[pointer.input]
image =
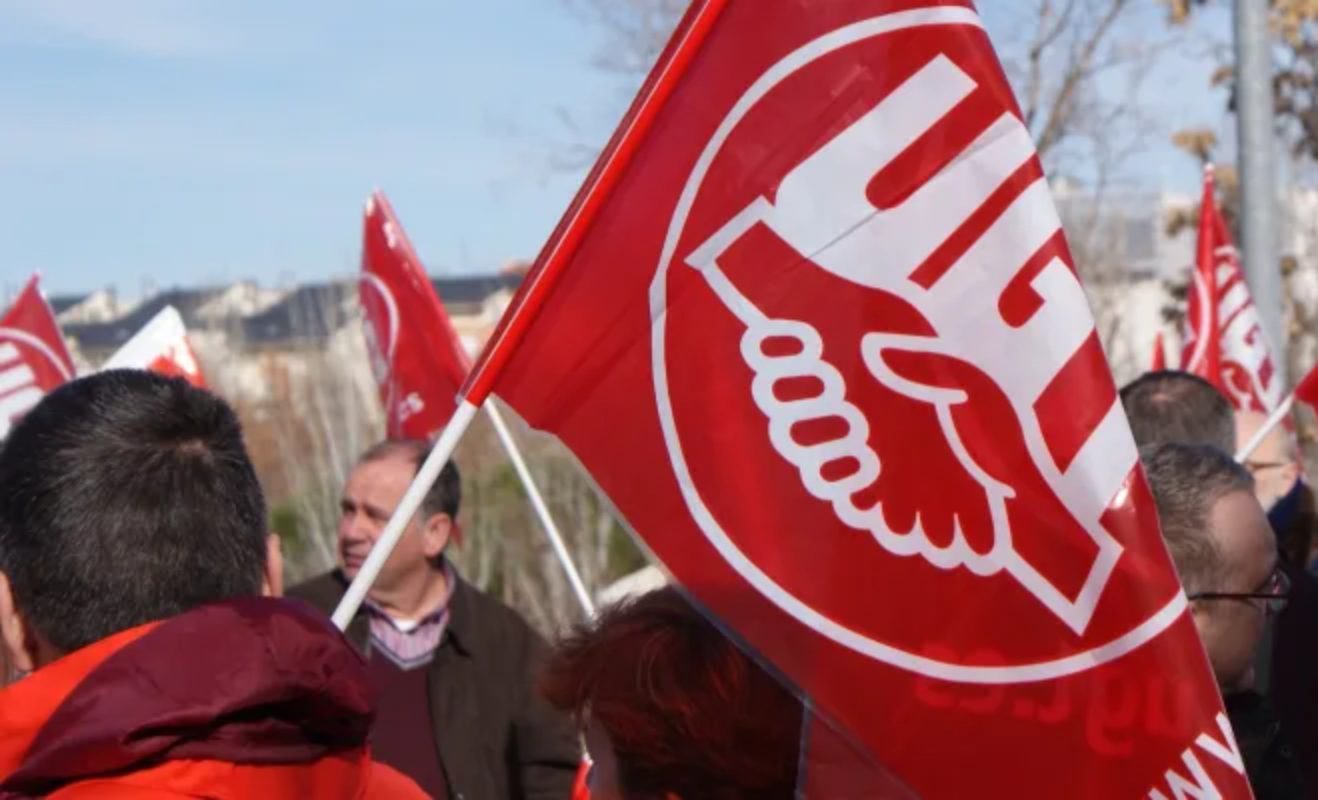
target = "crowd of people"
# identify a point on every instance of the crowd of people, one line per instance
(150, 649)
(1239, 535)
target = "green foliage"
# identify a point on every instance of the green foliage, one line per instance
(624, 556)
(287, 523)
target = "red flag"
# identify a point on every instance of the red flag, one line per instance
(1307, 389)
(1159, 360)
(161, 346)
(813, 326)
(581, 786)
(1224, 340)
(416, 355)
(33, 356)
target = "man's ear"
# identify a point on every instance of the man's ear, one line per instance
(272, 584)
(435, 534)
(14, 631)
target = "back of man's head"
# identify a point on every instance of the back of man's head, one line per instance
(126, 497)
(1187, 481)
(1171, 406)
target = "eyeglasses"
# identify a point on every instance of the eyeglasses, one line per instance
(1259, 466)
(1275, 590)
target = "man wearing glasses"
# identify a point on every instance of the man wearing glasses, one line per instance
(1226, 557)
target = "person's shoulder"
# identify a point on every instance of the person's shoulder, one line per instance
(387, 783)
(355, 777)
(111, 789)
(323, 591)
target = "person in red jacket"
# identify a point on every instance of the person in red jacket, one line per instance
(133, 560)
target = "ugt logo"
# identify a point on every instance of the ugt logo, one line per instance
(923, 424)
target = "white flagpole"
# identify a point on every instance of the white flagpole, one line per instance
(1273, 420)
(541, 509)
(407, 507)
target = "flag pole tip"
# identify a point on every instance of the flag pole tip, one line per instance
(375, 198)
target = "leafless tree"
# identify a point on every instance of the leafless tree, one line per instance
(310, 407)
(504, 546)
(637, 30)
(1078, 68)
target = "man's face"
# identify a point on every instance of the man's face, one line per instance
(372, 492)
(1272, 466)
(1231, 628)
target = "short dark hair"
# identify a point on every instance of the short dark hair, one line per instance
(1174, 406)
(127, 497)
(1187, 480)
(687, 711)
(445, 496)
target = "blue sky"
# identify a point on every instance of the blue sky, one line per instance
(151, 143)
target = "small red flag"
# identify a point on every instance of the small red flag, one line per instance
(1159, 360)
(33, 356)
(161, 346)
(417, 358)
(814, 328)
(1224, 340)
(1307, 389)
(581, 786)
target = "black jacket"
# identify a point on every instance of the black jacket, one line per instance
(497, 739)
(1270, 760)
(1293, 689)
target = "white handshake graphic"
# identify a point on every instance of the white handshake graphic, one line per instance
(821, 210)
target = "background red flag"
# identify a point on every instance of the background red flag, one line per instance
(1307, 389)
(581, 786)
(416, 355)
(814, 328)
(161, 346)
(1159, 360)
(1224, 340)
(33, 356)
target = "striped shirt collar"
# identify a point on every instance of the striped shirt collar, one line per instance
(411, 644)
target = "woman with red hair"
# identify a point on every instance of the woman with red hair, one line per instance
(672, 709)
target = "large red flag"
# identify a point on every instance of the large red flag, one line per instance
(813, 326)
(161, 346)
(33, 356)
(1224, 340)
(416, 355)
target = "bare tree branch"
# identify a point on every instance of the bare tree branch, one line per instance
(1051, 27)
(1081, 69)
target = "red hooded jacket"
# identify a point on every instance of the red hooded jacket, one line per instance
(243, 699)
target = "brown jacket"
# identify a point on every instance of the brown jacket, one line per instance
(497, 739)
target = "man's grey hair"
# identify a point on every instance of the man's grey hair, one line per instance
(1172, 406)
(1187, 481)
(445, 495)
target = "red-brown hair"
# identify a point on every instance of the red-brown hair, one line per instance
(687, 711)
